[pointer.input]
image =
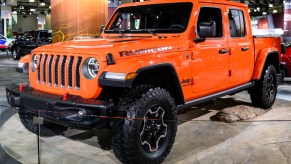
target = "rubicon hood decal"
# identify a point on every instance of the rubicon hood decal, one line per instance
(145, 51)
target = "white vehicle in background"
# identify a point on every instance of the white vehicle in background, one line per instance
(4, 42)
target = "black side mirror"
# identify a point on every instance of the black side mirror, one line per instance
(207, 29)
(102, 29)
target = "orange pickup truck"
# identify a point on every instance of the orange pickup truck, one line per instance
(152, 59)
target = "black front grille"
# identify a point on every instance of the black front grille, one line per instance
(38, 67)
(52, 70)
(44, 69)
(63, 71)
(70, 69)
(56, 70)
(78, 72)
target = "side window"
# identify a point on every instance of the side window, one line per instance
(210, 23)
(236, 23)
(44, 35)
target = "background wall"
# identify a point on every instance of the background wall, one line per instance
(23, 24)
(77, 18)
(48, 21)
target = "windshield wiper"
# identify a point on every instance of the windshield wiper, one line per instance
(121, 32)
(147, 30)
(151, 32)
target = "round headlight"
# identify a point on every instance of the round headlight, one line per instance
(34, 62)
(90, 68)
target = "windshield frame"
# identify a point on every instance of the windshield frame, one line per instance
(110, 23)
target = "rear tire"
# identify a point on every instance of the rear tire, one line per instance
(148, 132)
(46, 130)
(263, 94)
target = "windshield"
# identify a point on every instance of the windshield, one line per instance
(159, 18)
(28, 35)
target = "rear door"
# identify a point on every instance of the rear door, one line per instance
(241, 59)
(210, 58)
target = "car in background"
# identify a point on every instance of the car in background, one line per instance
(3, 40)
(29, 41)
(286, 58)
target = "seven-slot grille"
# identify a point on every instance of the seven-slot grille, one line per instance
(52, 70)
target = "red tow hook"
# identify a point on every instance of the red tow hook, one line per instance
(21, 86)
(65, 96)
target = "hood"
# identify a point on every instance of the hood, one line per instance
(119, 47)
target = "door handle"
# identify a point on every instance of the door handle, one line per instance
(245, 48)
(223, 51)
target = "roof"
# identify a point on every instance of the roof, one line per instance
(227, 2)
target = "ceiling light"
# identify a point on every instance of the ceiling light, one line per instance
(42, 4)
(31, 1)
(32, 10)
(264, 13)
(271, 5)
(275, 11)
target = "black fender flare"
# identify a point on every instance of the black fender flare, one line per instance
(129, 83)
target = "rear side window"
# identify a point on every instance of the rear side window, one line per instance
(212, 16)
(236, 23)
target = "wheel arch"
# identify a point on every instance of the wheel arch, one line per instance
(162, 75)
(266, 58)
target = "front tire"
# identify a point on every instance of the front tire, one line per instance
(15, 54)
(46, 130)
(263, 94)
(148, 132)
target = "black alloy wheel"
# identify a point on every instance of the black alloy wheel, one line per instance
(153, 129)
(148, 131)
(263, 93)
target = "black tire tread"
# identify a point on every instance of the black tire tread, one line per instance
(257, 92)
(17, 55)
(124, 141)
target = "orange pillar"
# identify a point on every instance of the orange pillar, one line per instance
(72, 18)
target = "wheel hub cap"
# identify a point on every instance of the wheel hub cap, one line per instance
(270, 87)
(153, 129)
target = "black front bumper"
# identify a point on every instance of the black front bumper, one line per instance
(54, 109)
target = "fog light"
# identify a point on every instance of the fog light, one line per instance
(81, 113)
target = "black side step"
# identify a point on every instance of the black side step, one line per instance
(216, 95)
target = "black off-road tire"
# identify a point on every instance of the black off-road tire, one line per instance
(129, 132)
(46, 130)
(264, 93)
(15, 54)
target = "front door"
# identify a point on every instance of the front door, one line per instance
(210, 58)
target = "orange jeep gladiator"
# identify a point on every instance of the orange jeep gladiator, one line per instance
(152, 59)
